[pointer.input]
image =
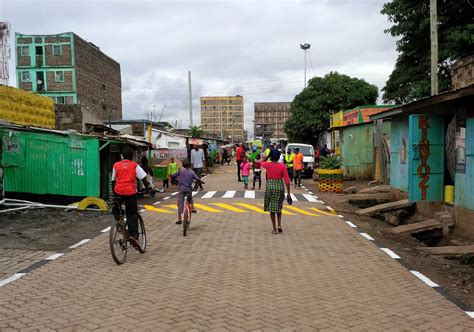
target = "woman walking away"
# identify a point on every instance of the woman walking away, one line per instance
(245, 166)
(275, 190)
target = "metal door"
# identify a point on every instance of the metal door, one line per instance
(426, 158)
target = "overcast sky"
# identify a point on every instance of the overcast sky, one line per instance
(246, 47)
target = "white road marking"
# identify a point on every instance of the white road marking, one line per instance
(340, 216)
(229, 194)
(293, 197)
(105, 230)
(53, 257)
(310, 198)
(329, 208)
(209, 194)
(425, 279)
(470, 313)
(142, 210)
(12, 278)
(195, 193)
(310, 192)
(80, 243)
(249, 194)
(351, 224)
(390, 253)
(167, 197)
(175, 193)
(156, 203)
(367, 236)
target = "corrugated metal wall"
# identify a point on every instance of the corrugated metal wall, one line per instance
(48, 163)
(358, 151)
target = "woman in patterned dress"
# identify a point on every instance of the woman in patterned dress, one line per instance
(275, 189)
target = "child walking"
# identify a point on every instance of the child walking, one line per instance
(245, 167)
(257, 171)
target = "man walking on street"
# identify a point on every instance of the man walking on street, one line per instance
(289, 156)
(297, 166)
(239, 156)
(198, 159)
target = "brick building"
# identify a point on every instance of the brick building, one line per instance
(269, 119)
(72, 71)
(223, 117)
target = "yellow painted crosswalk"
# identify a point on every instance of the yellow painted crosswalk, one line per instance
(241, 208)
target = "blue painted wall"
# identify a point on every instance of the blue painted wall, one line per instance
(399, 154)
(464, 183)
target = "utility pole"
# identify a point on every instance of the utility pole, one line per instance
(190, 100)
(434, 46)
(305, 48)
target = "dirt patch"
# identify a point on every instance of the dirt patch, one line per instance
(454, 276)
(49, 229)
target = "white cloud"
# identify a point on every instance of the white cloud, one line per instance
(245, 47)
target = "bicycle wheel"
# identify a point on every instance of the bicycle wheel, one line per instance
(118, 242)
(141, 234)
(186, 218)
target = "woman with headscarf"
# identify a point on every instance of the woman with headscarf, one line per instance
(275, 189)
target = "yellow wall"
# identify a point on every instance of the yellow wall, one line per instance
(337, 119)
(26, 108)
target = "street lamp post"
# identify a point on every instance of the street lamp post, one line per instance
(305, 48)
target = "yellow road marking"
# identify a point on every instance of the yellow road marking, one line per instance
(282, 211)
(152, 208)
(302, 211)
(251, 207)
(173, 206)
(228, 207)
(323, 212)
(206, 208)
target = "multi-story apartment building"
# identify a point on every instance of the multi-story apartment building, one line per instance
(224, 117)
(269, 119)
(72, 71)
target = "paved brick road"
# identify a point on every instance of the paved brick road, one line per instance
(231, 273)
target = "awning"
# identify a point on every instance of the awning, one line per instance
(196, 141)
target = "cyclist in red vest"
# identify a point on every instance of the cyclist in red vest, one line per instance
(124, 181)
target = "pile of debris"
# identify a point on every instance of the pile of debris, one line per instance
(380, 202)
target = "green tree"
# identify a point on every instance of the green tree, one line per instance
(196, 131)
(411, 79)
(311, 108)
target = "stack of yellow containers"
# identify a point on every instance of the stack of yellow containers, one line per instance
(26, 108)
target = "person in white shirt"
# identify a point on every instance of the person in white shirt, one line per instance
(198, 160)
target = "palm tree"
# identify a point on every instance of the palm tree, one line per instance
(196, 131)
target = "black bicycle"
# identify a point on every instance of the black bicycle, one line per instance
(119, 238)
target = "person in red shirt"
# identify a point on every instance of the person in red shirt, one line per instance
(275, 190)
(124, 181)
(239, 156)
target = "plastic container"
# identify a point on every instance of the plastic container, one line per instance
(449, 194)
(161, 172)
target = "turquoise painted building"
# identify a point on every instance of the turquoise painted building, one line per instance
(432, 146)
(46, 64)
(72, 71)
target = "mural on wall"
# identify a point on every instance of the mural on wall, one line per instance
(424, 169)
(361, 115)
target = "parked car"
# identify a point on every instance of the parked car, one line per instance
(308, 156)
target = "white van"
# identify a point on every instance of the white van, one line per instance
(308, 156)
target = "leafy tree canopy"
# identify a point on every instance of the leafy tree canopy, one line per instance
(311, 108)
(196, 131)
(411, 79)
